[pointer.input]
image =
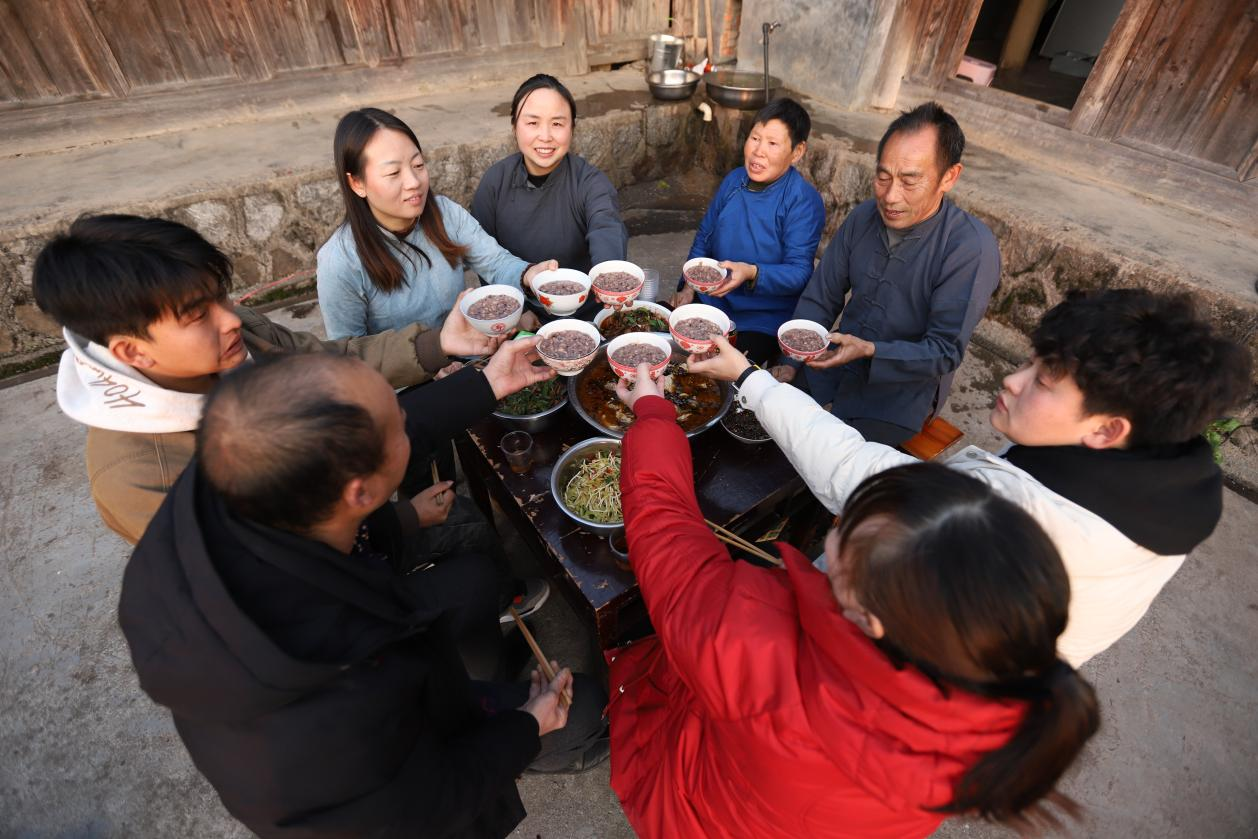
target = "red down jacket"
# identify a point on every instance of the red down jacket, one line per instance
(759, 710)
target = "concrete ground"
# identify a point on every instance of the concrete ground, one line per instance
(84, 753)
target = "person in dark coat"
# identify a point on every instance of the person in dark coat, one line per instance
(315, 686)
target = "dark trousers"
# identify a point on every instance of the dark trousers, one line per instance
(877, 431)
(560, 749)
(467, 590)
(822, 384)
(759, 347)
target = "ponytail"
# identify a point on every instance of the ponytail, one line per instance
(971, 591)
(1008, 784)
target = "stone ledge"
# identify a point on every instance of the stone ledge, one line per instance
(273, 226)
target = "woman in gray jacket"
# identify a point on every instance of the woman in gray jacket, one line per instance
(543, 202)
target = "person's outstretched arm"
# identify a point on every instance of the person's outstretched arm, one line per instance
(711, 613)
(828, 454)
(605, 233)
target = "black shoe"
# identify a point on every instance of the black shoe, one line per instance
(534, 591)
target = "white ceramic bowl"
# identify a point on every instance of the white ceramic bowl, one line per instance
(569, 366)
(711, 263)
(616, 299)
(697, 310)
(604, 314)
(561, 304)
(631, 373)
(811, 326)
(496, 326)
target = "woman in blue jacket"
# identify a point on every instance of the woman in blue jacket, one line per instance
(764, 225)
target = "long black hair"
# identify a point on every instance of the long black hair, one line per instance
(377, 250)
(542, 81)
(972, 592)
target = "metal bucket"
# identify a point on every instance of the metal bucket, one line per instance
(665, 52)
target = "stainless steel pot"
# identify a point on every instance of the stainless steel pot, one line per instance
(672, 84)
(744, 91)
(665, 52)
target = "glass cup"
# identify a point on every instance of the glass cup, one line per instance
(517, 448)
(651, 286)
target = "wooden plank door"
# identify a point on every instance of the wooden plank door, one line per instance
(1179, 79)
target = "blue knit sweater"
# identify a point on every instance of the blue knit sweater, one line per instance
(776, 229)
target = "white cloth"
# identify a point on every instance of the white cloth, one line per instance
(1112, 579)
(97, 389)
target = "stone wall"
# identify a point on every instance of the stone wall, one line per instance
(274, 229)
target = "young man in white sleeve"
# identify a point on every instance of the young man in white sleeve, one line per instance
(1105, 422)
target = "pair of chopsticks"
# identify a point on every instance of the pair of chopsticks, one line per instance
(565, 698)
(734, 540)
(436, 479)
(549, 672)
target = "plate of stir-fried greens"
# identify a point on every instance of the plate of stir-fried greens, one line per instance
(642, 316)
(534, 407)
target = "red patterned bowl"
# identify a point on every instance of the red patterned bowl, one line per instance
(609, 297)
(561, 304)
(628, 373)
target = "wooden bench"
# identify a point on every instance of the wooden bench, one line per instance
(936, 436)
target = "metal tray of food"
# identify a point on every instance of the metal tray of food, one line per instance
(602, 409)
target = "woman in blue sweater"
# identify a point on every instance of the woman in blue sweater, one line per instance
(764, 225)
(398, 259)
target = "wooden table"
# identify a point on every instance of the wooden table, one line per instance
(736, 483)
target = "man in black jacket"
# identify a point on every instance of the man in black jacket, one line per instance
(314, 685)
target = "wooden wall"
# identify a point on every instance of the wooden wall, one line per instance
(1180, 80)
(53, 50)
(1177, 78)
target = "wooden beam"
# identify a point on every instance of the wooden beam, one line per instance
(1026, 22)
(1111, 65)
(575, 41)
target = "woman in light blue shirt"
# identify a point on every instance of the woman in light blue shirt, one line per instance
(399, 256)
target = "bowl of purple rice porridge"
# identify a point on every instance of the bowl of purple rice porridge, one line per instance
(803, 340)
(561, 291)
(568, 345)
(616, 282)
(703, 274)
(626, 352)
(693, 325)
(493, 309)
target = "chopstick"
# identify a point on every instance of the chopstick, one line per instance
(565, 698)
(436, 479)
(734, 540)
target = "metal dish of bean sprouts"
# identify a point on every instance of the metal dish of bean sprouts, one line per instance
(585, 483)
(593, 491)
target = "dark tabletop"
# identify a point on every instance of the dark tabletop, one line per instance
(732, 478)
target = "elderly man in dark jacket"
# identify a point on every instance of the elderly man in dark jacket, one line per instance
(315, 685)
(920, 272)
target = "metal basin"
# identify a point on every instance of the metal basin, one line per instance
(567, 465)
(600, 360)
(533, 423)
(672, 84)
(744, 91)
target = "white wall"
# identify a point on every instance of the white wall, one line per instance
(829, 50)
